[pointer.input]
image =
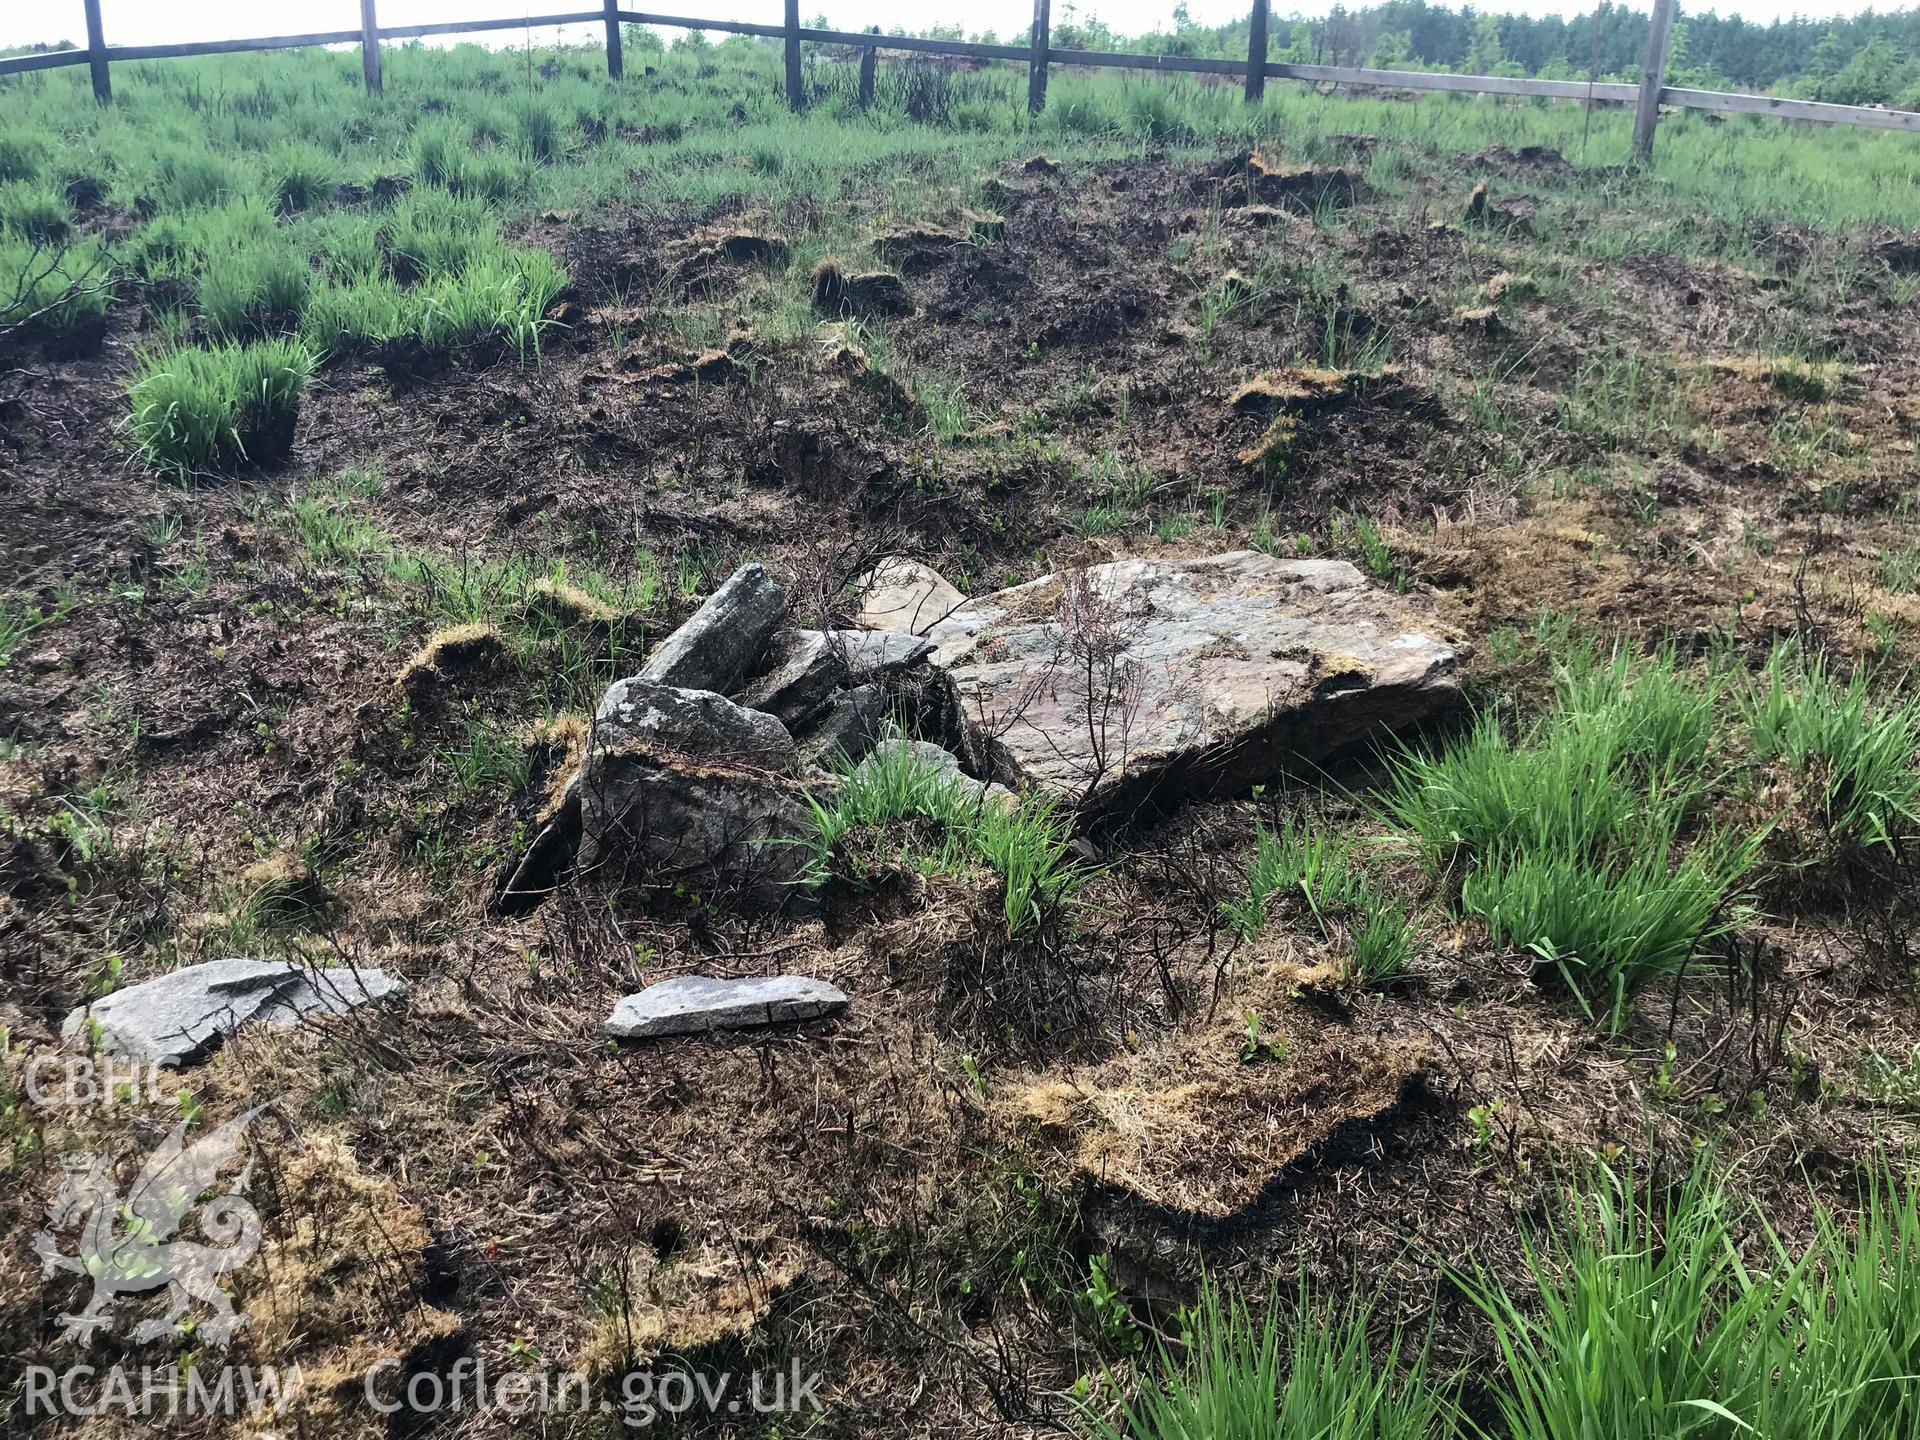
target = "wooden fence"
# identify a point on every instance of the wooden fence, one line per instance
(1039, 54)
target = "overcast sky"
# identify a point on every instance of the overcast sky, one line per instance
(145, 22)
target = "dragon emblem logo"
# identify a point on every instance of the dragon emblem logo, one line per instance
(126, 1246)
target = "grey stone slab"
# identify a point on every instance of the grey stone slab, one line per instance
(694, 722)
(182, 1016)
(1174, 678)
(806, 668)
(846, 732)
(696, 1004)
(724, 639)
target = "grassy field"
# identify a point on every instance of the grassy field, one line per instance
(1554, 1074)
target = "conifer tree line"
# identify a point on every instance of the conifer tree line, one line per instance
(1868, 59)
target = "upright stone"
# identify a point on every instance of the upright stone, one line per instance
(684, 787)
(846, 733)
(724, 639)
(663, 820)
(807, 668)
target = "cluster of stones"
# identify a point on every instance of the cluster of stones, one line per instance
(1133, 683)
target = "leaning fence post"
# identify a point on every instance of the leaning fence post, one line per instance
(1037, 59)
(796, 94)
(616, 61)
(1257, 53)
(97, 53)
(869, 57)
(1653, 77)
(370, 46)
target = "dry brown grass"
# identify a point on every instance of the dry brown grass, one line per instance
(568, 605)
(1194, 1125)
(451, 652)
(338, 1279)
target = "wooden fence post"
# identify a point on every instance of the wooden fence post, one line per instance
(796, 91)
(616, 60)
(869, 58)
(1653, 78)
(1257, 53)
(97, 53)
(1037, 58)
(370, 45)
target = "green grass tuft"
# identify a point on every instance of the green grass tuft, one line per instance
(1649, 1323)
(1238, 1380)
(439, 154)
(1608, 925)
(19, 618)
(1640, 1317)
(1578, 839)
(1025, 845)
(1854, 755)
(67, 290)
(36, 212)
(194, 177)
(1319, 868)
(487, 759)
(300, 177)
(21, 155)
(432, 233)
(218, 408)
(253, 288)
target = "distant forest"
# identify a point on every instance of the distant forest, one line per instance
(1868, 59)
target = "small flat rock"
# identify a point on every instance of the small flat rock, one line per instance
(697, 1004)
(1223, 672)
(694, 722)
(724, 639)
(182, 1016)
(903, 594)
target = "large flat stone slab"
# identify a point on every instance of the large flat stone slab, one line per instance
(182, 1016)
(1143, 679)
(697, 1004)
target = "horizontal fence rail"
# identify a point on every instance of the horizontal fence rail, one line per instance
(1038, 53)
